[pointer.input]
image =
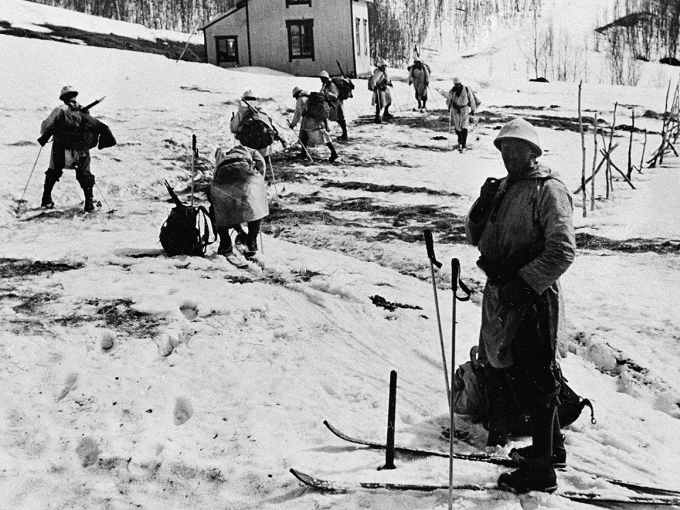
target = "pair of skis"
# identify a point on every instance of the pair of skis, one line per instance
(647, 495)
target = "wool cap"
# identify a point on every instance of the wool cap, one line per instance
(382, 62)
(456, 81)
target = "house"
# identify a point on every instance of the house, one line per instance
(300, 37)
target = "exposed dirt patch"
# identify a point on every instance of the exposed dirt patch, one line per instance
(23, 267)
(381, 302)
(167, 48)
(590, 242)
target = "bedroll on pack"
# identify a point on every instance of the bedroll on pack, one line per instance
(317, 107)
(345, 87)
(256, 132)
(76, 130)
(188, 230)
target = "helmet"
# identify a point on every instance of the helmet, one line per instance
(296, 91)
(248, 95)
(382, 62)
(324, 74)
(519, 129)
(67, 91)
(456, 81)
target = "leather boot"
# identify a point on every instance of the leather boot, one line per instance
(89, 200)
(343, 126)
(225, 248)
(539, 473)
(47, 202)
(334, 154)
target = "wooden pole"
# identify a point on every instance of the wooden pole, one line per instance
(391, 414)
(642, 158)
(592, 175)
(630, 146)
(610, 184)
(583, 151)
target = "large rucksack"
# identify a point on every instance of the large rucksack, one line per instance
(345, 87)
(188, 230)
(470, 398)
(317, 107)
(256, 131)
(74, 129)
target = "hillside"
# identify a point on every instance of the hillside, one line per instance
(199, 385)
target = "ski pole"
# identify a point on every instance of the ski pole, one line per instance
(30, 175)
(448, 136)
(433, 261)
(271, 167)
(194, 154)
(110, 211)
(302, 144)
(455, 282)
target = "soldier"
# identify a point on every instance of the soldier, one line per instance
(312, 131)
(332, 93)
(382, 99)
(461, 104)
(522, 226)
(419, 76)
(75, 133)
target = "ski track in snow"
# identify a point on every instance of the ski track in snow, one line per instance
(197, 385)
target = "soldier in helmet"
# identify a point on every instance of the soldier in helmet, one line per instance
(382, 99)
(332, 94)
(75, 133)
(462, 104)
(522, 226)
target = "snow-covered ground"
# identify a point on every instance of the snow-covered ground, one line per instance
(218, 379)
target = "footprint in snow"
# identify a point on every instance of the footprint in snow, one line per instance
(183, 410)
(69, 384)
(88, 451)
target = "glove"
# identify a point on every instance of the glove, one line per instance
(486, 195)
(516, 292)
(44, 139)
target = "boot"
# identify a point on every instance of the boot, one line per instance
(343, 126)
(424, 104)
(47, 202)
(334, 155)
(559, 455)
(89, 200)
(225, 249)
(538, 474)
(463, 138)
(387, 115)
(378, 117)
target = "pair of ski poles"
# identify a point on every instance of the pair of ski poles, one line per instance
(455, 283)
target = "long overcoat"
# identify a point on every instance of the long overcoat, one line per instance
(535, 208)
(460, 107)
(315, 128)
(381, 90)
(238, 190)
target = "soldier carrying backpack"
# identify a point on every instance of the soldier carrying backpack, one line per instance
(75, 132)
(252, 127)
(313, 130)
(335, 90)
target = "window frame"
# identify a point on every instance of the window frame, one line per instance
(218, 53)
(298, 2)
(309, 24)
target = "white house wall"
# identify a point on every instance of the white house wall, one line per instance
(363, 52)
(334, 36)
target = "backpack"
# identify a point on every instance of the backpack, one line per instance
(188, 230)
(371, 83)
(345, 87)
(77, 130)
(472, 93)
(317, 107)
(469, 396)
(256, 131)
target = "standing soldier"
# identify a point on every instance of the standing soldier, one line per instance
(419, 76)
(332, 94)
(522, 226)
(75, 133)
(312, 131)
(461, 104)
(382, 99)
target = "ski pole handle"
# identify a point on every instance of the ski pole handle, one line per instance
(193, 145)
(429, 243)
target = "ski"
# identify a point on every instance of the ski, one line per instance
(500, 461)
(236, 261)
(583, 497)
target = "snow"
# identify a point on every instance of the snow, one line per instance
(137, 380)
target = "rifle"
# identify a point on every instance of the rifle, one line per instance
(341, 71)
(92, 104)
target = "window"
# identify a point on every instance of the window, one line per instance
(226, 49)
(300, 39)
(357, 35)
(366, 38)
(298, 2)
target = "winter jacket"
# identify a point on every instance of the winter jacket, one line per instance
(420, 78)
(460, 107)
(381, 89)
(238, 190)
(242, 115)
(315, 128)
(332, 93)
(533, 209)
